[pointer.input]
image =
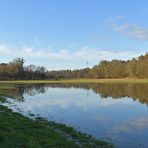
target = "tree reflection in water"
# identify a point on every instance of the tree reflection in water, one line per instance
(18, 92)
(115, 90)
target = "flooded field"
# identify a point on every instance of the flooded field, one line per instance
(114, 112)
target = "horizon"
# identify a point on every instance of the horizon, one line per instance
(65, 35)
(87, 63)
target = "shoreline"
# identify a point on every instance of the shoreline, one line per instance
(74, 81)
(16, 130)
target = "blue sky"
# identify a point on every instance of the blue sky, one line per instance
(64, 34)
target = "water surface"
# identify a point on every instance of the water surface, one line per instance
(115, 112)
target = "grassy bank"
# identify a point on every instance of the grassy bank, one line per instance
(19, 131)
(75, 81)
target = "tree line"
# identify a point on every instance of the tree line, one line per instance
(135, 68)
(16, 70)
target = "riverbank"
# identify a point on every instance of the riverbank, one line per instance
(75, 81)
(19, 131)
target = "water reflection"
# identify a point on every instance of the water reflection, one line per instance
(116, 111)
(19, 91)
(135, 91)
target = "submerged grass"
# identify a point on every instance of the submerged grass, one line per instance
(19, 131)
(7, 86)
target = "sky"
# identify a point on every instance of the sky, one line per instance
(65, 34)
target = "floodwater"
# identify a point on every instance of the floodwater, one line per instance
(113, 112)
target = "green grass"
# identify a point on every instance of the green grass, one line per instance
(75, 81)
(17, 131)
(7, 86)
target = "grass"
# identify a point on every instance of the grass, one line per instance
(75, 81)
(7, 86)
(22, 132)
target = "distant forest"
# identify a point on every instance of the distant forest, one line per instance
(135, 68)
(15, 70)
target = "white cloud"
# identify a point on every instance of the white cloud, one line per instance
(134, 31)
(136, 125)
(139, 32)
(4, 50)
(81, 55)
(64, 58)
